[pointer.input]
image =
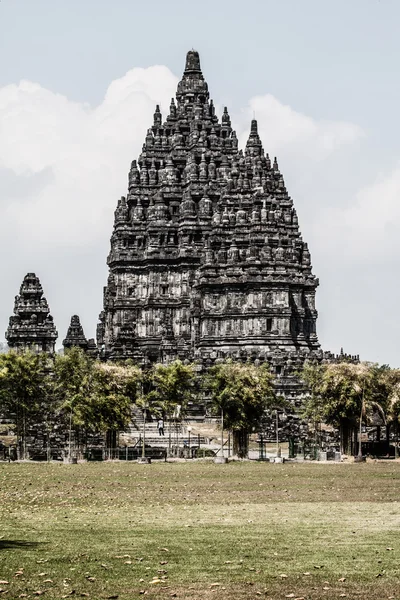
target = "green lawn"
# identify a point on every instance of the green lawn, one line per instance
(243, 530)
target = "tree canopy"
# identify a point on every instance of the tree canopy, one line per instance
(169, 386)
(24, 389)
(241, 393)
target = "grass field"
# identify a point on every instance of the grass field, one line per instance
(199, 530)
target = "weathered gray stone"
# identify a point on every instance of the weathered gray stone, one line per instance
(220, 460)
(75, 335)
(32, 325)
(207, 260)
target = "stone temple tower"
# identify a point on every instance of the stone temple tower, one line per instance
(207, 260)
(75, 335)
(32, 325)
(76, 338)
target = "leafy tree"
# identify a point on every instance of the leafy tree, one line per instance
(113, 391)
(96, 396)
(167, 389)
(391, 380)
(25, 390)
(345, 395)
(241, 394)
(73, 380)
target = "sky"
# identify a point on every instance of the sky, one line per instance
(78, 85)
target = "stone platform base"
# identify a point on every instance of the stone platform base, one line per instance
(144, 460)
(220, 460)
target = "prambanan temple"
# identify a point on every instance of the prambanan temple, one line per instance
(207, 260)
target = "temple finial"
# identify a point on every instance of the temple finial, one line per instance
(226, 120)
(157, 117)
(254, 126)
(192, 61)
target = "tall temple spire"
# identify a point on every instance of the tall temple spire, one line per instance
(32, 325)
(196, 204)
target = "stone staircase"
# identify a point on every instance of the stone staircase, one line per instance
(178, 431)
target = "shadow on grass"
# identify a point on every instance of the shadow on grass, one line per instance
(15, 544)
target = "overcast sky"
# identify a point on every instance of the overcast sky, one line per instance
(79, 80)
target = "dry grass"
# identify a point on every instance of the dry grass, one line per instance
(243, 530)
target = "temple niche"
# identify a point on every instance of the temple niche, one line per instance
(207, 260)
(31, 326)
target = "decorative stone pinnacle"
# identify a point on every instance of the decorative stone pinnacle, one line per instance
(192, 62)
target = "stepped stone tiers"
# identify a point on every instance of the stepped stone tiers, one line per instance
(32, 325)
(76, 337)
(207, 260)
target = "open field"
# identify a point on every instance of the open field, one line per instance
(242, 530)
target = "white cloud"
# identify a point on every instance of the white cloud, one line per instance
(373, 220)
(63, 165)
(288, 132)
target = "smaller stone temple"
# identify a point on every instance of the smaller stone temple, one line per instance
(32, 325)
(76, 338)
(75, 335)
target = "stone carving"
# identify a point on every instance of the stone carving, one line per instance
(32, 325)
(75, 335)
(219, 226)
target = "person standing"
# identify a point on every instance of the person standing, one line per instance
(160, 425)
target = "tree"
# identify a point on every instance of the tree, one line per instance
(391, 379)
(24, 390)
(112, 393)
(241, 394)
(344, 394)
(97, 396)
(73, 378)
(169, 388)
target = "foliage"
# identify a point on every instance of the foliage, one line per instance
(73, 374)
(25, 387)
(344, 394)
(169, 386)
(391, 381)
(243, 392)
(112, 394)
(98, 396)
(344, 390)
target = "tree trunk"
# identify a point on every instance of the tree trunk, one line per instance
(387, 427)
(360, 433)
(169, 434)
(222, 432)
(345, 436)
(241, 443)
(24, 434)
